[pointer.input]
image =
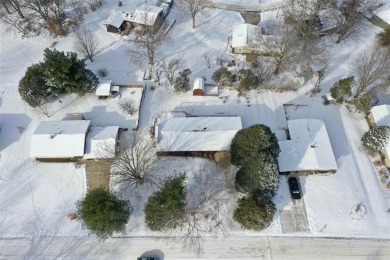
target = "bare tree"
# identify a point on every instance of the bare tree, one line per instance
(127, 105)
(79, 8)
(171, 68)
(44, 108)
(147, 43)
(206, 194)
(135, 163)
(349, 18)
(85, 42)
(372, 69)
(280, 46)
(262, 70)
(194, 7)
(15, 4)
(303, 16)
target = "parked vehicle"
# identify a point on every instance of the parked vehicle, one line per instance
(294, 188)
(147, 258)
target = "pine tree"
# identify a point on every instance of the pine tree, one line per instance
(342, 89)
(182, 82)
(222, 76)
(259, 175)
(363, 103)
(103, 213)
(248, 80)
(249, 142)
(376, 139)
(32, 87)
(252, 215)
(165, 209)
(384, 37)
(65, 73)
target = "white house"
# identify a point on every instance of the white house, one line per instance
(244, 38)
(308, 148)
(59, 139)
(380, 116)
(191, 135)
(101, 142)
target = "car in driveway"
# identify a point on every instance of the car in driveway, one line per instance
(147, 258)
(293, 184)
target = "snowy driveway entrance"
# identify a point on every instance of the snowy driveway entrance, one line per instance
(295, 219)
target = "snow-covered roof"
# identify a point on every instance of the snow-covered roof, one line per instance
(145, 14)
(243, 35)
(104, 88)
(308, 149)
(197, 133)
(59, 139)
(116, 19)
(198, 83)
(381, 116)
(101, 142)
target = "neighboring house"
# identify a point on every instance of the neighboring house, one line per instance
(101, 142)
(198, 87)
(117, 22)
(380, 116)
(59, 139)
(308, 148)
(147, 15)
(195, 136)
(248, 39)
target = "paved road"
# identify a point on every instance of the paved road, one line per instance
(247, 8)
(47, 247)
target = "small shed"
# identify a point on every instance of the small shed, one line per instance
(198, 87)
(104, 88)
(117, 22)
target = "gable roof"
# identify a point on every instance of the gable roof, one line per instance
(309, 147)
(145, 14)
(243, 35)
(381, 116)
(59, 139)
(180, 134)
(116, 19)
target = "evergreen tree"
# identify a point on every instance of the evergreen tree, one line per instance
(342, 89)
(32, 87)
(376, 138)
(260, 175)
(222, 76)
(384, 37)
(165, 209)
(103, 213)
(363, 103)
(65, 73)
(182, 82)
(252, 215)
(248, 143)
(248, 80)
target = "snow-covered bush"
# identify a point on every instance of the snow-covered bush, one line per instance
(182, 83)
(376, 139)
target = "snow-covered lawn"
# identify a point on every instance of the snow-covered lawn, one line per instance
(36, 197)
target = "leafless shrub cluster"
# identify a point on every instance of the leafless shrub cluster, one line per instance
(128, 106)
(171, 68)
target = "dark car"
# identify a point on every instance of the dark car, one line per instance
(147, 258)
(294, 188)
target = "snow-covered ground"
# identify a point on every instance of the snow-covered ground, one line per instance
(35, 197)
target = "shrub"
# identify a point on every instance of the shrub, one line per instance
(342, 89)
(376, 139)
(223, 76)
(165, 209)
(103, 72)
(182, 83)
(260, 175)
(128, 106)
(103, 213)
(249, 142)
(252, 215)
(248, 80)
(384, 37)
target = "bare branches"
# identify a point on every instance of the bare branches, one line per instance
(194, 7)
(127, 105)
(135, 164)
(372, 68)
(171, 68)
(85, 42)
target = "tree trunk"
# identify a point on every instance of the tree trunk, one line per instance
(6, 8)
(193, 22)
